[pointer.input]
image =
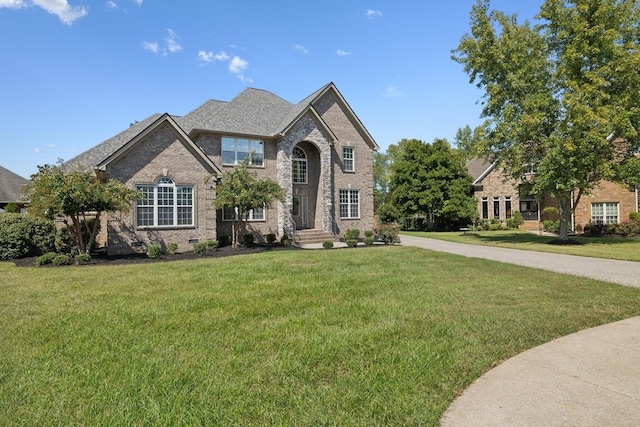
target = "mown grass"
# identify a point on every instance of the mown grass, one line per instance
(366, 336)
(625, 249)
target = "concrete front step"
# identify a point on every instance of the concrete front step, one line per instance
(304, 237)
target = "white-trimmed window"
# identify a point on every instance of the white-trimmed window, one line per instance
(164, 204)
(236, 150)
(605, 213)
(349, 203)
(496, 207)
(348, 159)
(230, 214)
(299, 170)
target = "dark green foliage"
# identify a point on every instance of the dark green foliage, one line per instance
(62, 260)
(550, 226)
(327, 244)
(368, 233)
(11, 207)
(388, 233)
(224, 240)
(285, 239)
(248, 239)
(352, 243)
(25, 235)
(634, 216)
(172, 248)
(154, 251)
(271, 237)
(45, 258)
(209, 245)
(212, 245)
(368, 241)
(352, 233)
(82, 259)
(387, 213)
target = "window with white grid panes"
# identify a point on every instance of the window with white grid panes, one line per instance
(164, 204)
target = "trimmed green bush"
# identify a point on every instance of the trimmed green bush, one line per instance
(11, 207)
(352, 234)
(212, 245)
(368, 241)
(550, 226)
(248, 239)
(24, 235)
(388, 233)
(368, 233)
(271, 237)
(83, 259)
(154, 251)
(327, 244)
(352, 243)
(46, 258)
(172, 248)
(200, 248)
(62, 260)
(634, 216)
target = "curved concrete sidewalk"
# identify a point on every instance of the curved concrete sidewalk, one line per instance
(590, 378)
(621, 272)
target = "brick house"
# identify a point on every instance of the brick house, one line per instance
(317, 150)
(499, 195)
(11, 189)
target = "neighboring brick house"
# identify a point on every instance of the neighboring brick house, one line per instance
(499, 195)
(10, 188)
(317, 150)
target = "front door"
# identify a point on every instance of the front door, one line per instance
(299, 211)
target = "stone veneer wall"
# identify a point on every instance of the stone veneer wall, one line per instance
(497, 184)
(162, 151)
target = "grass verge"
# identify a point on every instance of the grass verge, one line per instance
(625, 249)
(367, 336)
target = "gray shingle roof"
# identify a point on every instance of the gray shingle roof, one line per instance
(10, 185)
(477, 167)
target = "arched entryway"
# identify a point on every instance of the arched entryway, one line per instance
(305, 180)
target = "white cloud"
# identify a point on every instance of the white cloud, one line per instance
(301, 48)
(341, 52)
(373, 14)
(112, 5)
(205, 57)
(60, 8)
(237, 65)
(222, 56)
(138, 2)
(172, 41)
(393, 92)
(151, 46)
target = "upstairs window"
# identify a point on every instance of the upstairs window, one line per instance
(348, 159)
(236, 150)
(164, 204)
(299, 166)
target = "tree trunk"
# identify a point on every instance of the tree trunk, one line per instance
(564, 209)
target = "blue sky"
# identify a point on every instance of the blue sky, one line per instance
(76, 72)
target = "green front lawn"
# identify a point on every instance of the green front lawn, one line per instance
(626, 249)
(365, 336)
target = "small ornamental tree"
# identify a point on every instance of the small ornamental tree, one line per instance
(76, 196)
(243, 191)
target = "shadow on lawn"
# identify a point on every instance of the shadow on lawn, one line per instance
(524, 238)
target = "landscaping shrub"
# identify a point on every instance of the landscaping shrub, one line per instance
(483, 224)
(493, 226)
(516, 220)
(45, 258)
(368, 233)
(83, 259)
(352, 243)
(271, 237)
(368, 241)
(327, 244)
(62, 260)
(212, 245)
(248, 239)
(634, 216)
(388, 233)
(224, 240)
(627, 228)
(154, 251)
(200, 248)
(172, 248)
(23, 235)
(352, 234)
(12, 207)
(550, 226)
(285, 239)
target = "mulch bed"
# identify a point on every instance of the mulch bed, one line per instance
(103, 259)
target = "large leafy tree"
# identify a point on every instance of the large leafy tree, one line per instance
(76, 196)
(561, 97)
(381, 163)
(431, 181)
(242, 190)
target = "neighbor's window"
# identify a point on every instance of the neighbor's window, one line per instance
(299, 166)
(496, 207)
(349, 203)
(164, 204)
(348, 162)
(229, 214)
(605, 213)
(485, 208)
(507, 207)
(236, 150)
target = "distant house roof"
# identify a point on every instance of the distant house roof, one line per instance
(479, 168)
(10, 185)
(254, 112)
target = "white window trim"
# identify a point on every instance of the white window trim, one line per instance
(353, 159)
(304, 161)
(252, 143)
(349, 203)
(160, 184)
(605, 210)
(250, 219)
